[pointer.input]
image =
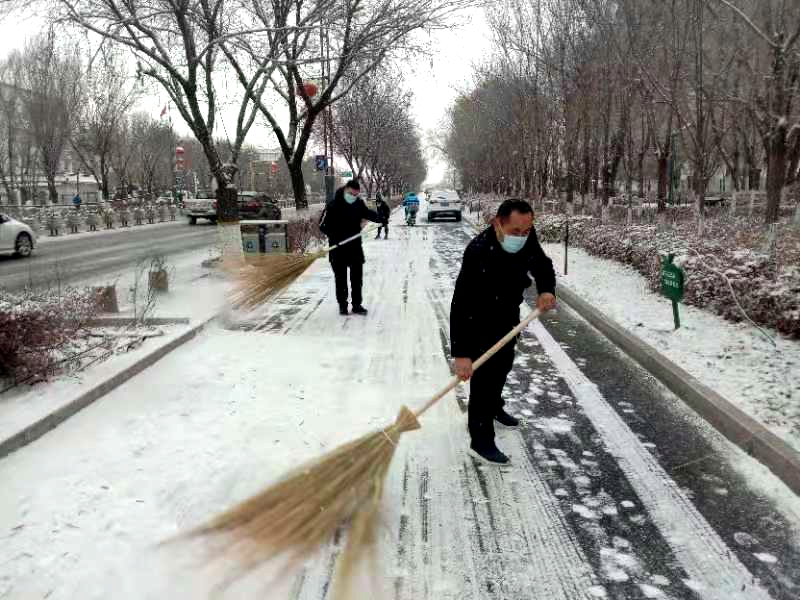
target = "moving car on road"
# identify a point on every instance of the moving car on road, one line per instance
(16, 237)
(203, 206)
(444, 204)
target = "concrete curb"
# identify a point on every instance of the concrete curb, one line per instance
(129, 321)
(51, 421)
(738, 427)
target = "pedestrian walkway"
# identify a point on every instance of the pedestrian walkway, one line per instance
(585, 511)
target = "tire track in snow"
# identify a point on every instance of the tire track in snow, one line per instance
(715, 571)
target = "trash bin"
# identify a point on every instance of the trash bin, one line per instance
(264, 237)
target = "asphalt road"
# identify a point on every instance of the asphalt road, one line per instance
(69, 260)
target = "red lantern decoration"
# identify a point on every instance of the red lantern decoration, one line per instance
(310, 89)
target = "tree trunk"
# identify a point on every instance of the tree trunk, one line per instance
(51, 189)
(663, 182)
(298, 184)
(754, 178)
(776, 175)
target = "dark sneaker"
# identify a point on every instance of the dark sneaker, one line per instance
(359, 310)
(506, 419)
(489, 455)
(343, 311)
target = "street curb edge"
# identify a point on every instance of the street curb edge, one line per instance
(49, 422)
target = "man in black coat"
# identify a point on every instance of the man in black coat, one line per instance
(341, 220)
(485, 307)
(385, 212)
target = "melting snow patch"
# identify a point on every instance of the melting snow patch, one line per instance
(745, 540)
(650, 591)
(766, 558)
(597, 591)
(659, 580)
(627, 504)
(561, 493)
(585, 512)
(693, 585)
(554, 425)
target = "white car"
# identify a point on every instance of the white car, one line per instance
(444, 204)
(202, 207)
(16, 237)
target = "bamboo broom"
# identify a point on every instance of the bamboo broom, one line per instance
(265, 276)
(295, 516)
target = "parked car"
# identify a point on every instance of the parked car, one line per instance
(16, 237)
(203, 206)
(444, 204)
(255, 205)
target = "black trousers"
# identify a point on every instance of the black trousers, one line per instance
(485, 395)
(385, 228)
(356, 281)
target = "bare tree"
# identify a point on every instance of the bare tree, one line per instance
(337, 44)
(109, 94)
(177, 46)
(773, 110)
(49, 78)
(152, 147)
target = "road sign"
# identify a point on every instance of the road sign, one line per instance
(672, 285)
(346, 174)
(321, 162)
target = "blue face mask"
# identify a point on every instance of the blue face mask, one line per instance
(349, 198)
(513, 243)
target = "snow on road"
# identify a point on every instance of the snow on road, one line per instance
(82, 508)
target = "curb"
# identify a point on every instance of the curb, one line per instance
(738, 427)
(130, 321)
(49, 422)
(729, 420)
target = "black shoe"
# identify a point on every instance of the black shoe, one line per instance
(506, 419)
(489, 455)
(343, 311)
(359, 310)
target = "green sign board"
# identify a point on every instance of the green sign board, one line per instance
(672, 285)
(346, 174)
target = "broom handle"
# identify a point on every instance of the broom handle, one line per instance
(351, 238)
(534, 314)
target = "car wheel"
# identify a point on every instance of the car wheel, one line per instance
(192, 220)
(213, 220)
(458, 218)
(430, 219)
(24, 245)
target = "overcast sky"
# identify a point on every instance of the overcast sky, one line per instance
(434, 83)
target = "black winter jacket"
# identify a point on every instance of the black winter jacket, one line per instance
(489, 290)
(384, 210)
(341, 220)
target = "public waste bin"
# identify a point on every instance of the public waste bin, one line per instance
(264, 237)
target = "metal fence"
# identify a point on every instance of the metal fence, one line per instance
(63, 219)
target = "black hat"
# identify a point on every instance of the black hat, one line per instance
(353, 185)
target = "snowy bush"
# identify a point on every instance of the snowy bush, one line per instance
(37, 329)
(731, 253)
(303, 232)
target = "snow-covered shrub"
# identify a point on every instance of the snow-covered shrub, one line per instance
(731, 253)
(303, 232)
(37, 328)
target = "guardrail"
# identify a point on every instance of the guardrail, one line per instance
(56, 220)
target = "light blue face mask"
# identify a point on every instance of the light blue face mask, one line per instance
(350, 198)
(513, 243)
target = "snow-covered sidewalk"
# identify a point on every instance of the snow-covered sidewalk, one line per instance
(736, 360)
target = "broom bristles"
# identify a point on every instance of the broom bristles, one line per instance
(296, 515)
(263, 277)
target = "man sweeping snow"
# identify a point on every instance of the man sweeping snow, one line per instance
(341, 220)
(486, 300)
